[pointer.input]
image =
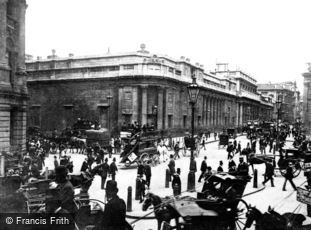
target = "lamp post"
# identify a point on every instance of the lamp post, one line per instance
(193, 93)
(109, 99)
(278, 107)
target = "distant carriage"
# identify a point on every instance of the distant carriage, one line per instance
(140, 147)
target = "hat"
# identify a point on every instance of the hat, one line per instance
(111, 186)
(61, 171)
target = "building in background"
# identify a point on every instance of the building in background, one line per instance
(13, 91)
(307, 99)
(143, 87)
(291, 107)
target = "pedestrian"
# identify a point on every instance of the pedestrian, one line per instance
(231, 165)
(66, 190)
(140, 169)
(289, 175)
(254, 146)
(269, 173)
(147, 172)
(113, 169)
(56, 164)
(203, 142)
(171, 165)
(220, 169)
(238, 150)
(104, 168)
(113, 217)
(203, 169)
(215, 135)
(141, 185)
(84, 166)
(176, 150)
(230, 149)
(242, 169)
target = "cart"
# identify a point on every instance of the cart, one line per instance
(215, 208)
(293, 155)
(140, 147)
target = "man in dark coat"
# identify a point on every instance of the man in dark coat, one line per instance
(104, 168)
(176, 150)
(56, 164)
(242, 169)
(141, 183)
(84, 166)
(230, 149)
(171, 165)
(147, 172)
(113, 217)
(220, 169)
(289, 175)
(140, 169)
(203, 168)
(269, 173)
(66, 190)
(113, 169)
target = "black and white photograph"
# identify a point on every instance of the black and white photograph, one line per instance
(155, 115)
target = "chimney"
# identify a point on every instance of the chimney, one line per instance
(182, 58)
(39, 58)
(187, 59)
(71, 55)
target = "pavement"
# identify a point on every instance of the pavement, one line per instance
(281, 201)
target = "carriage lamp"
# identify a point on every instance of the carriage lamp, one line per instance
(193, 93)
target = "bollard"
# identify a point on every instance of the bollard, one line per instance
(46, 173)
(191, 182)
(129, 199)
(255, 179)
(137, 190)
(2, 166)
(167, 178)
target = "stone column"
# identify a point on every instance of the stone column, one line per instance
(120, 98)
(241, 114)
(144, 105)
(160, 108)
(21, 39)
(5, 115)
(3, 32)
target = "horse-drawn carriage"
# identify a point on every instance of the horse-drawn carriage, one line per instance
(218, 207)
(293, 156)
(140, 147)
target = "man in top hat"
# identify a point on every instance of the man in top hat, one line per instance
(242, 169)
(269, 173)
(66, 190)
(113, 217)
(289, 175)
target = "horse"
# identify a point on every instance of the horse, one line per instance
(272, 220)
(162, 212)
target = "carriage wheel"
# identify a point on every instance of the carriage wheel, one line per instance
(240, 217)
(144, 157)
(296, 169)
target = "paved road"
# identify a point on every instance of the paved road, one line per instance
(282, 201)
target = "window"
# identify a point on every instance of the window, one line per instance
(178, 72)
(170, 121)
(127, 67)
(185, 121)
(170, 69)
(113, 68)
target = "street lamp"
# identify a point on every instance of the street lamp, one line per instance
(109, 99)
(193, 93)
(278, 107)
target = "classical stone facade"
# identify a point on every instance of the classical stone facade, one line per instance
(13, 91)
(290, 108)
(144, 87)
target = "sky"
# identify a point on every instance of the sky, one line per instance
(268, 39)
